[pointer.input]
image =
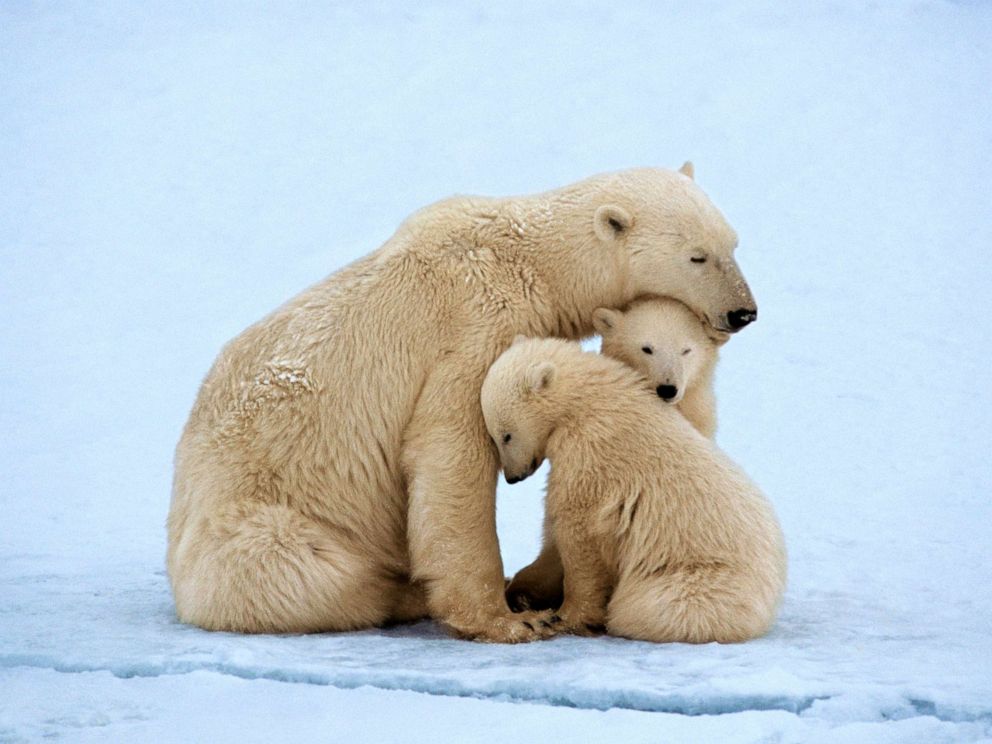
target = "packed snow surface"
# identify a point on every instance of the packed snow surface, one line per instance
(170, 172)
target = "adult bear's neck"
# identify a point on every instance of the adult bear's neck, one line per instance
(571, 272)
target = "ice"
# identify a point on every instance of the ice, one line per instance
(171, 173)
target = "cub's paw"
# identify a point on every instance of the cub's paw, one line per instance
(524, 595)
(521, 627)
(530, 590)
(580, 624)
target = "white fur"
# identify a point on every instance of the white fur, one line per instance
(664, 340)
(335, 471)
(661, 536)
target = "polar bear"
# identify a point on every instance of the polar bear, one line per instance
(673, 350)
(677, 354)
(335, 471)
(661, 536)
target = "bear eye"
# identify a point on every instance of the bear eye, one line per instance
(647, 350)
(685, 351)
(698, 259)
(507, 438)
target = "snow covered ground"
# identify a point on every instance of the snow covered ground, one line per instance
(169, 173)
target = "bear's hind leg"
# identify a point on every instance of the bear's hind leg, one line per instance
(269, 569)
(694, 604)
(409, 603)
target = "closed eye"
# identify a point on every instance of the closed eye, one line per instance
(507, 438)
(647, 350)
(685, 351)
(698, 259)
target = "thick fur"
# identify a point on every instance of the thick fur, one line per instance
(335, 471)
(664, 340)
(661, 536)
(669, 345)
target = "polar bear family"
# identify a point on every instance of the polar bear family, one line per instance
(336, 471)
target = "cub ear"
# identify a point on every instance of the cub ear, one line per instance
(610, 222)
(605, 321)
(687, 169)
(540, 376)
(517, 339)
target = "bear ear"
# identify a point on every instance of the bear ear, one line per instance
(540, 376)
(688, 169)
(517, 339)
(605, 321)
(611, 221)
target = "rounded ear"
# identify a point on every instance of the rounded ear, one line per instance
(611, 221)
(517, 339)
(540, 376)
(687, 169)
(605, 321)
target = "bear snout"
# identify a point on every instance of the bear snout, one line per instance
(534, 465)
(741, 317)
(667, 392)
(511, 479)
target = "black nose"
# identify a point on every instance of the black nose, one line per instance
(667, 392)
(739, 318)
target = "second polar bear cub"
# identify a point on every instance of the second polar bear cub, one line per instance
(672, 348)
(662, 537)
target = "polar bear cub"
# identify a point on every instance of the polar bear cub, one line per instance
(676, 353)
(661, 536)
(672, 349)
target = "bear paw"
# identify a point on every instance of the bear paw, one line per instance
(522, 598)
(580, 623)
(521, 627)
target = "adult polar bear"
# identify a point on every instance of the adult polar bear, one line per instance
(336, 472)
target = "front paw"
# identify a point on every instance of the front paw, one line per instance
(520, 627)
(580, 623)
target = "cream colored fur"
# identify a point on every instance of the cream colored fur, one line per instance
(335, 471)
(663, 340)
(661, 536)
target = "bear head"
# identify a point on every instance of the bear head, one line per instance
(663, 340)
(677, 244)
(517, 413)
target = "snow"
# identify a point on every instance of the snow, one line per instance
(200, 706)
(172, 172)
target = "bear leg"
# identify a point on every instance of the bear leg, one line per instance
(539, 585)
(696, 604)
(266, 568)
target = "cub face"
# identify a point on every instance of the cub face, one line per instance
(512, 396)
(663, 340)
